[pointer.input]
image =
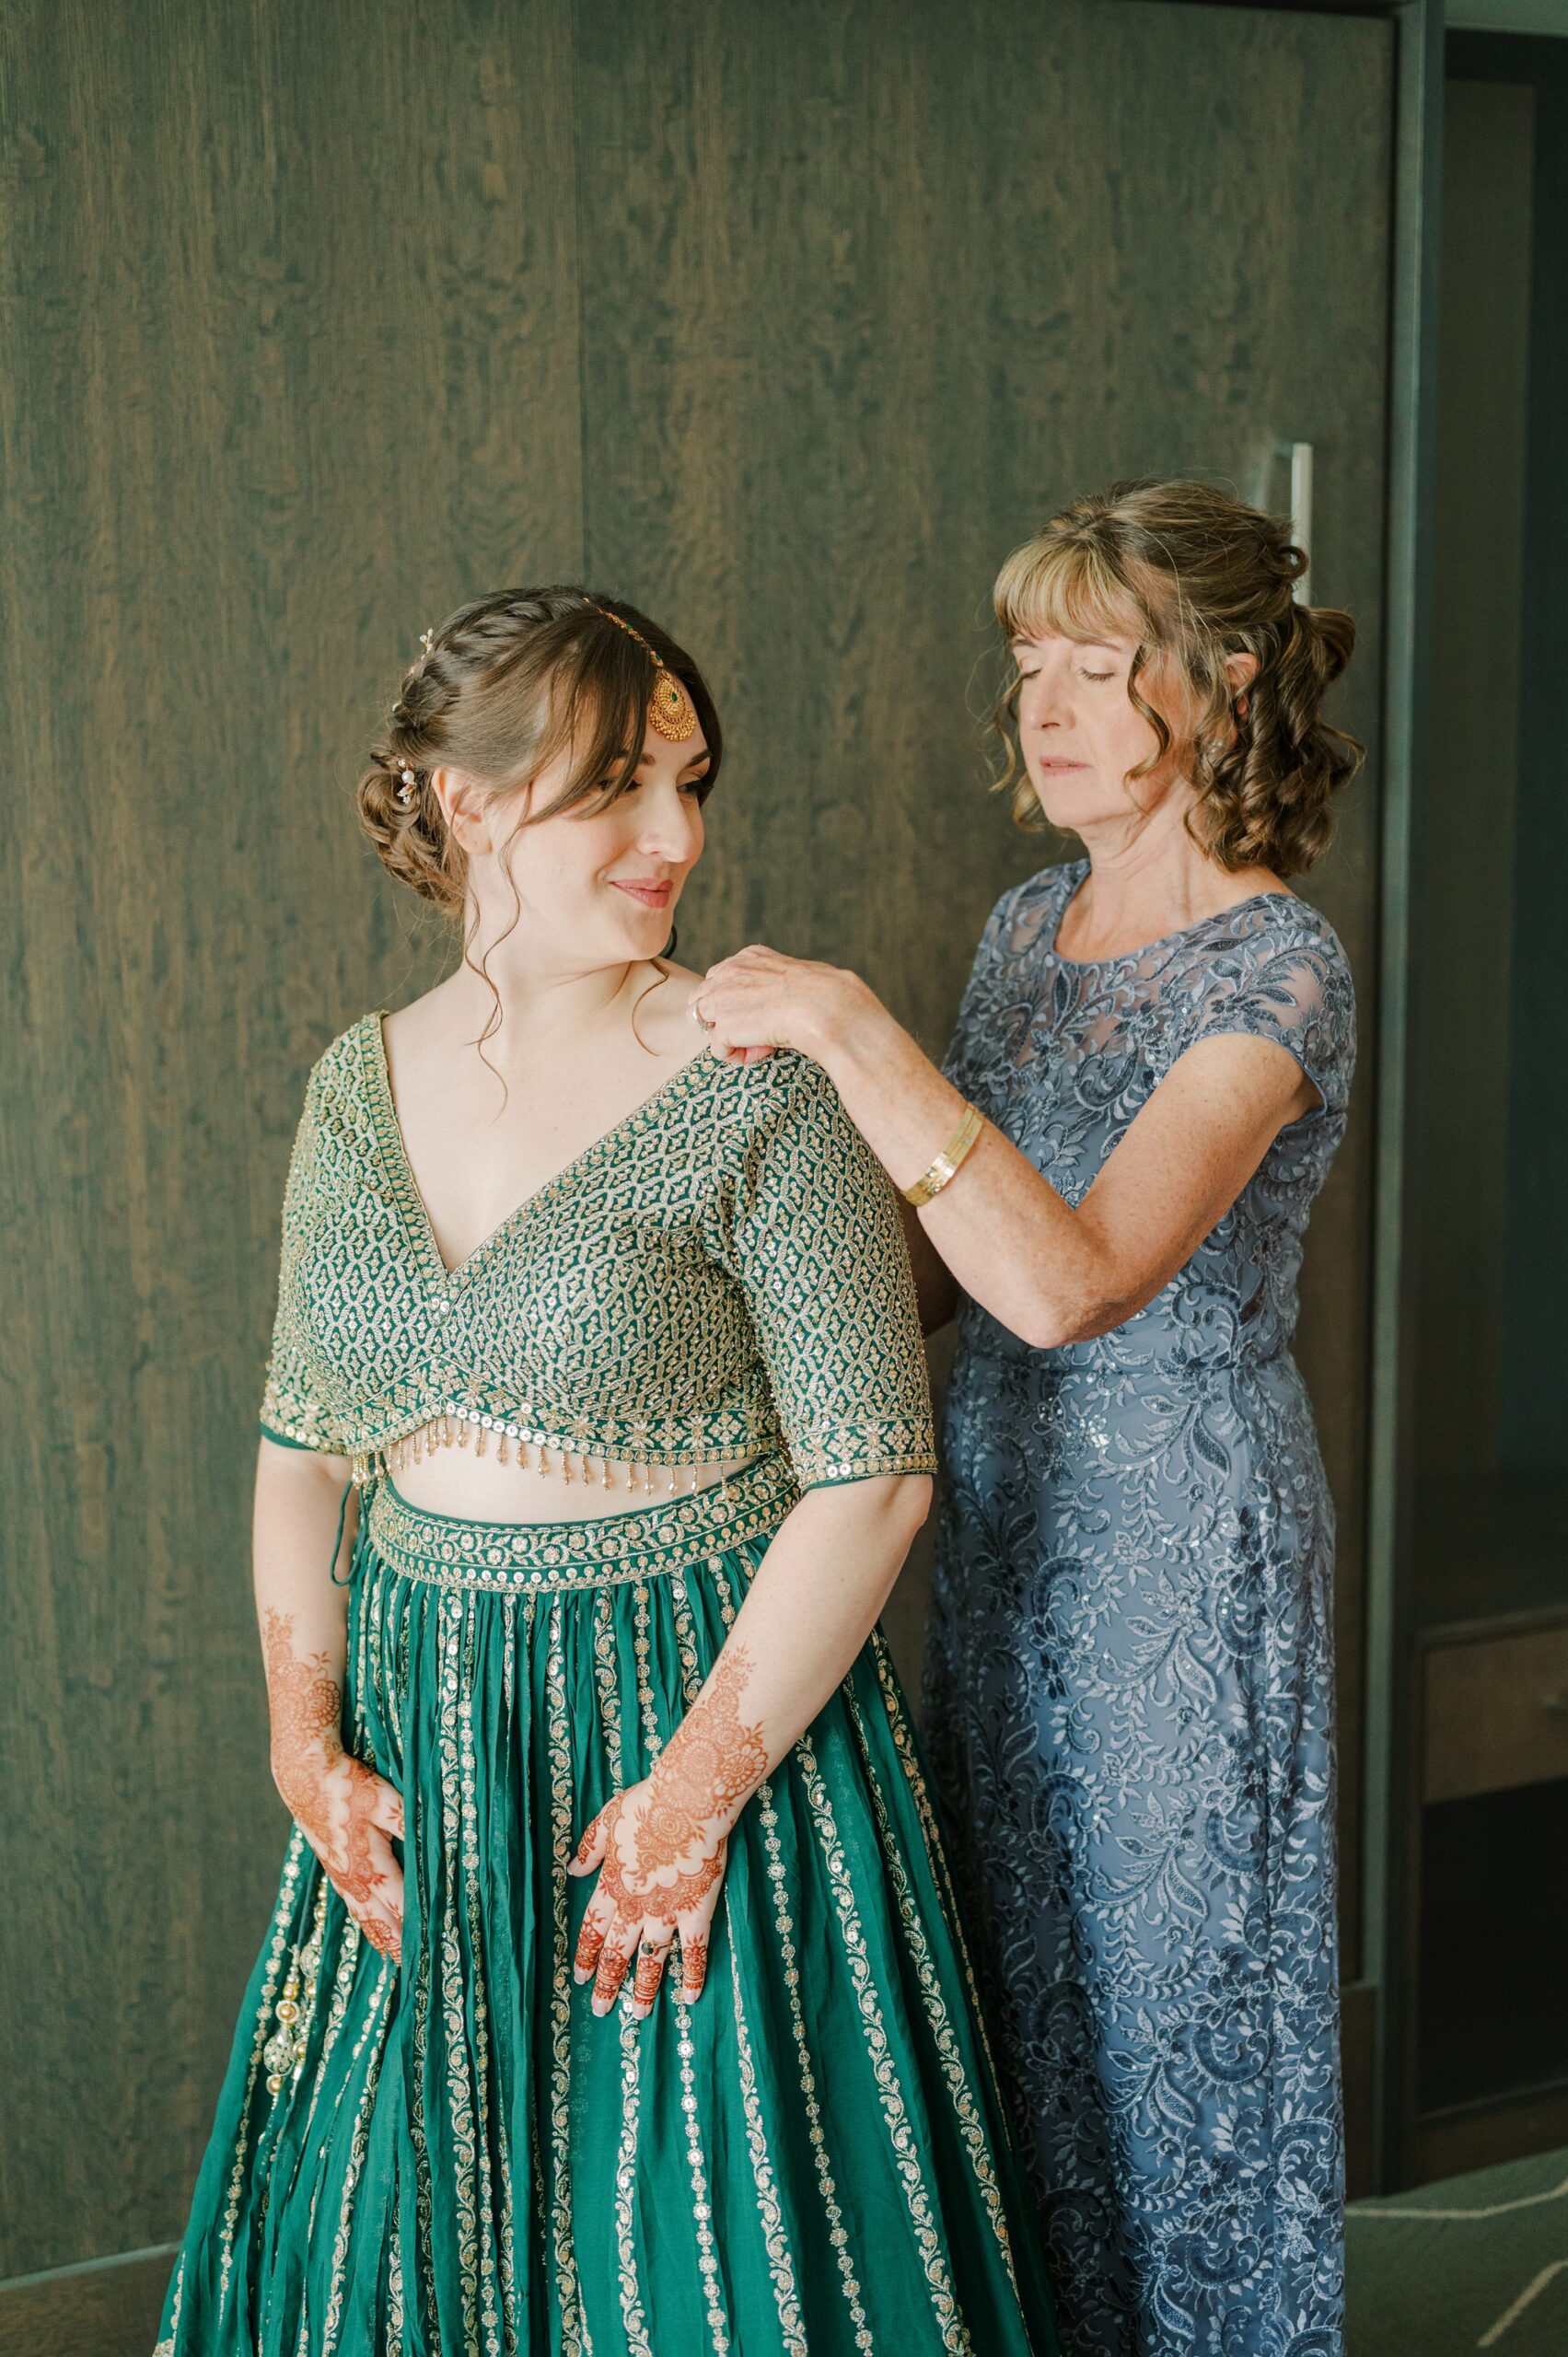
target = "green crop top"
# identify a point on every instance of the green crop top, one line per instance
(721, 1272)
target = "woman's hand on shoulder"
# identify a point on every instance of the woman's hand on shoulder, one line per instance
(759, 1000)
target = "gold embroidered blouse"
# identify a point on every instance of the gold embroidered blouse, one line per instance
(721, 1271)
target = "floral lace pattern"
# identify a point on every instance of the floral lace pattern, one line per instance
(1129, 1687)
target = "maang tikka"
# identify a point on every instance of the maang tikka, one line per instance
(671, 713)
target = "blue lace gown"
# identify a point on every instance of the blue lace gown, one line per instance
(1129, 1686)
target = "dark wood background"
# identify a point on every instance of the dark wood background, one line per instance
(787, 321)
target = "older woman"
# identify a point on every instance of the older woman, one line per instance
(1130, 1683)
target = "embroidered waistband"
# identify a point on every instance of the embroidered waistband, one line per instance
(641, 1544)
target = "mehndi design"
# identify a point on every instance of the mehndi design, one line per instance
(332, 1797)
(664, 1845)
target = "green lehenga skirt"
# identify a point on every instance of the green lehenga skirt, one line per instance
(452, 2157)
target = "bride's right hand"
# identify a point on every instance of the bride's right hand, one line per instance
(348, 1813)
(349, 1816)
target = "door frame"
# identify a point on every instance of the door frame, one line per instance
(1379, 1995)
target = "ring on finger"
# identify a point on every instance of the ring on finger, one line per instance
(650, 1972)
(698, 1017)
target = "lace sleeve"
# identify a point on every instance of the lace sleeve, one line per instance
(1293, 986)
(818, 1250)
(972, 1048)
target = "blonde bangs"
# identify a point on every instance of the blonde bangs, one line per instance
(1067, 588)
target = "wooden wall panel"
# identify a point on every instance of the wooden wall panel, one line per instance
(787, 319)
(867, 294)
(290, 365)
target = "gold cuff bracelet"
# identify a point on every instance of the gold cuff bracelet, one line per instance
(931, 1182)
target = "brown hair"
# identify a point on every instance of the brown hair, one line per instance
(504, 686)
(1196, 575)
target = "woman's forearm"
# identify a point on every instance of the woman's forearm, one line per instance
(659, 1848)
(810, 1607)
(1006, 1237)
(1050, 1272)
(296, 1546)
(346, 1812)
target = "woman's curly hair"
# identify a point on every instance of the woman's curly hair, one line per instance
(1197, 576)
(503, 686)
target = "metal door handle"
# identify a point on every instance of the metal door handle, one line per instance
(1300, 454)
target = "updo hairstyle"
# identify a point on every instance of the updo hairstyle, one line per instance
(1195, 576)
(503, 686)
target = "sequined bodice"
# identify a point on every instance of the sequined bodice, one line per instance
(1063, 1054)
(722, 1272)
(1129, 1673)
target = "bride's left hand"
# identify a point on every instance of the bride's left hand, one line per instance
(759, 1000)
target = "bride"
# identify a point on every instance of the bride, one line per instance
(613, 1999)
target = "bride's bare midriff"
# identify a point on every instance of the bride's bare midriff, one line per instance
(454, 1481)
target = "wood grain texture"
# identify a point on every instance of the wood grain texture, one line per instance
(290, 366)
(97, 2311)
(786, 320)
(1469, 1072)
(1495, 1714)
(866, 294)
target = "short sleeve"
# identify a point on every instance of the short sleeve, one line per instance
(819, 1250)
(293, 1408)
(970, 1049)
(1292, 987)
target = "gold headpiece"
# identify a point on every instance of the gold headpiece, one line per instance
(671, 713)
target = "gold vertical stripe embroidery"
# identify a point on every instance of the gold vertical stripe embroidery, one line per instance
(895, 2111)
(375, 2026)
(292, 1862)
(573, 2329)
(395, 2281)
(337, 2014)
(631, 2316)
(526, 1807)
(423, 2193)
(935, 1847)
(838, 2234)
(701, 2206)
(166, 2347)
(283, 1915)
(460, 2105)
(781, 2265)
(362, 1744)
(970, 2126)
(493, 2261)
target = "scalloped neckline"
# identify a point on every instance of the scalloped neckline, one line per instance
(1161, 940)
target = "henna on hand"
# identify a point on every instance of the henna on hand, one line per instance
(693, 1966)
(342, 1807)
(664, 1844)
